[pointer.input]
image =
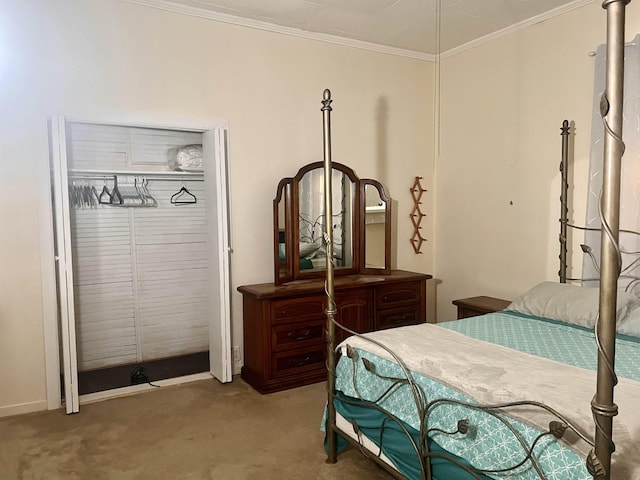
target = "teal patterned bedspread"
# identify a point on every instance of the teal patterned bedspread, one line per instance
(489, 445)
(562, 342)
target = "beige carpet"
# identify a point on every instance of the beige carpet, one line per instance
(201, 430)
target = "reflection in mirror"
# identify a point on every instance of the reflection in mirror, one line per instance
(311, 220)
(374, 234)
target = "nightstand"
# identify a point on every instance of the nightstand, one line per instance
(474, 306)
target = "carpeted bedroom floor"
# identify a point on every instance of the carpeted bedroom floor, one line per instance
(199, 430)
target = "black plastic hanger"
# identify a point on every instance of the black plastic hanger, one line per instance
(115, 198)
(183, 197)
(105, 196)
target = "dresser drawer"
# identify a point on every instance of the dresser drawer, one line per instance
(291, 363)
(294, 335)
(298, 309)
(397, 317)
(399, 294)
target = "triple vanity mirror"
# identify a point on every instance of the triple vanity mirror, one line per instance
(361, 225)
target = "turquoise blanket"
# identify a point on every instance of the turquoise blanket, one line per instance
(562, 342)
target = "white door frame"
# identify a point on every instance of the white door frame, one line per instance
(216, 186)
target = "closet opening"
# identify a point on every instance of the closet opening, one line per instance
(141, 242)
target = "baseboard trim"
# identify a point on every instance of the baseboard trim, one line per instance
(31, 407)
(23, 408)
(143, 387)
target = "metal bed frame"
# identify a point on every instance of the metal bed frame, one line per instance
(603, 407)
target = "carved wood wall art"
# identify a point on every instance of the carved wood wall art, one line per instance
(416, 215)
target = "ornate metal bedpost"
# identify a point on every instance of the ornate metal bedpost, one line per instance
(602, 405)
(564, 209)
(332, 447)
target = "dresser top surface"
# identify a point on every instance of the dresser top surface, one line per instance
(341, 282)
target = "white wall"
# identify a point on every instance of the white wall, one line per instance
(113, 61)
(498, 182)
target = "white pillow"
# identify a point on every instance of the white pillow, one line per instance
(569, 303)
(630, 325)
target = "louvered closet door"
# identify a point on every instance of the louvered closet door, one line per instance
(172, 272)
(102, 252)
(104, 288)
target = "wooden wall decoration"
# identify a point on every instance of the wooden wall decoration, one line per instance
(416, 215)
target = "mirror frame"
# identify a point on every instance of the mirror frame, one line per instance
(355, 219)
(289, 193)
(363, 225)
(283, 270)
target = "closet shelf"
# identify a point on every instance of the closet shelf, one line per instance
(151, 174)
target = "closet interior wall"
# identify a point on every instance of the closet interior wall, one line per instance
(140, 273)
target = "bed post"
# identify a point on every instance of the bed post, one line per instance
(332, 446)
(564, 209)
(602, 405)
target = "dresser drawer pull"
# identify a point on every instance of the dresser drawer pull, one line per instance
(401, 318)
(406, 296)
(301, 363)
(289, 309)
(299, 337)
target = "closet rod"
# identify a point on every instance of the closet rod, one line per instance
(159, 175)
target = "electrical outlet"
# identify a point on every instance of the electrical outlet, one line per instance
(235, 354)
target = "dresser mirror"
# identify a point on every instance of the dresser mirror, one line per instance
(361, 224)
(376, 236)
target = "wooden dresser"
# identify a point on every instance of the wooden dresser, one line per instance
(284, 325)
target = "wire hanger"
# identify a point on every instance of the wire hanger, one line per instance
(147, 198)
(183, 197)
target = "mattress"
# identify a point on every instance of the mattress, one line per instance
(496, 358)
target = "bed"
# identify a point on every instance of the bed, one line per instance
(467, 372)
(508, 394)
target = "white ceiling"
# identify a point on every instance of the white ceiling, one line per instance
(403, 24)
